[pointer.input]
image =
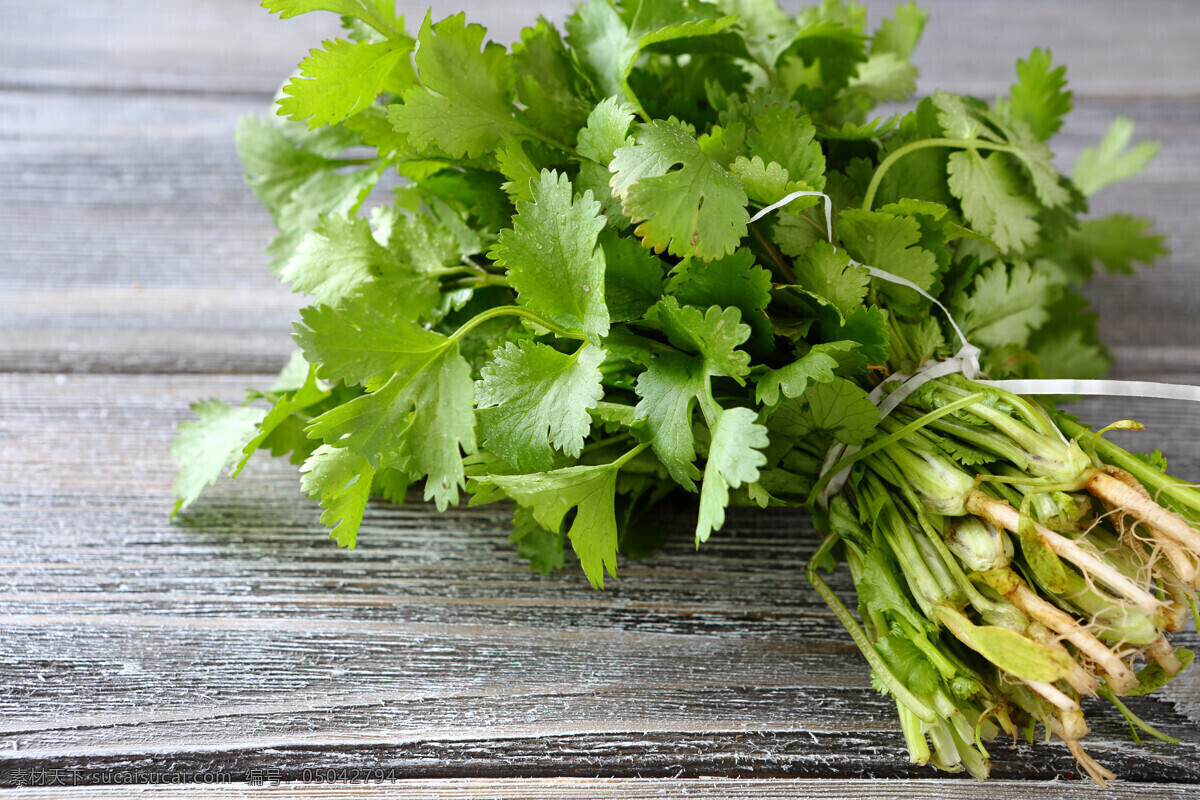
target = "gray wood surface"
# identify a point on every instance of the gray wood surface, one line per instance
(242, 641)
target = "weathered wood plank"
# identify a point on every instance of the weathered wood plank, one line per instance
(243, 639)
(631, 789)
(160, 268)
(234, 46)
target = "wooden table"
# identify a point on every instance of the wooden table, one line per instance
(241, 645)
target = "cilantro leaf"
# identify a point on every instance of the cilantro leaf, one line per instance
(1117, 242)
(1004, 305)
(341, 254)
(992, 199)
(633, 277)
(890, 243)
(1112, 160)
(379, 14)
(668, 390)
(734, 459)
(553, 257)
(715, 334)
(286, 403)
(900, 33)
(203, 449)
(418, 412)
(838, 408)
(548, 82)
(607, 129)
(464, 104)
(340, 480)
(345, 78)
(833, 48)
(542, 548)
(550, 496)
(827, 272)
(294, 174)
(911, 666)
(815, 366)
(1039, 97)
(735, 281)
(687, 203)
(532, 398)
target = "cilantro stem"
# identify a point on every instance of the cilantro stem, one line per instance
(623, 460)
(899, 690)
(879, 444)
(773, 253)
(514, 311)
(922, 144)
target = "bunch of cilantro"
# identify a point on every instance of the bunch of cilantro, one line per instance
(563, 301)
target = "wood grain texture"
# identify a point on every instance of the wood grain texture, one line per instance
(632, 789)
(242, 639)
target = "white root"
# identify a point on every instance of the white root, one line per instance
(1098, 773)
(1161, 651)
(1079, 678)
(1121, 677)
(1005, 516)
(1137, 504)
(1053, 695)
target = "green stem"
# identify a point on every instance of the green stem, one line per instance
(922, 144)
(773, 253)
(620, 462)
(515, 311)
(899, 690)
(879, 444)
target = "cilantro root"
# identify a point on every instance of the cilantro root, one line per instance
(564, 305)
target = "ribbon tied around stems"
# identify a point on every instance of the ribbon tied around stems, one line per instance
(966, 362)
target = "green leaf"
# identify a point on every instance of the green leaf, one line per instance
(341, 254)
(1117, 242)
(735, 281)
(417, 421)
(550, 496)
(548, 82)
(1004, 305)
(542, 548)
(838, 408)
(827, 272)
(419, 412)
(379, 14)
(783, 135)
(465, 104)
(601, 41)
(607, 129)
(734, 459)
(900, 33)
(889, 243)
(668, 390)
(1112, 160)
(834, 48)
(203, 449)
(340, 480)
(533, 398)
(992, 199)
(633, 278)
(1153, 677)
(364, 337)
(292, 172)
(286, 403)
(686, 203)
(815, 366)
(553, 257)
(911, 666)
(715, 334)
(1039, 97)
(343, 79)
(767, 28)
